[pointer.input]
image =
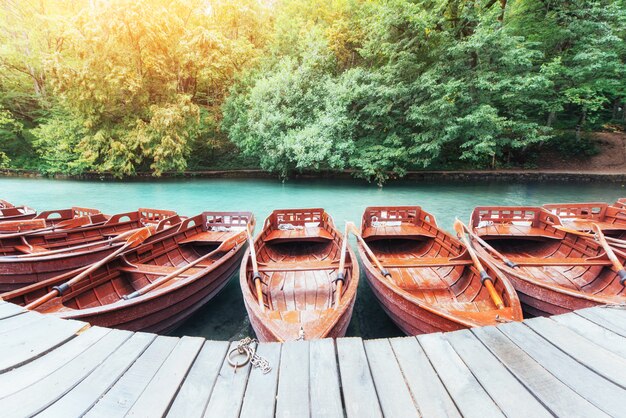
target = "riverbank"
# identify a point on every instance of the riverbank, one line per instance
(457, 175)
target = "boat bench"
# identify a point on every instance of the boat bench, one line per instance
(153, 270)
(404, 231)
(426, 262)
(308, 266)
(306, 234)
(209, 237)
(512, 230)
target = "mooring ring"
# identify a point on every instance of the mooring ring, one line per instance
(236, 351)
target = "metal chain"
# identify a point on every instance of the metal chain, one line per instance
(245, 346)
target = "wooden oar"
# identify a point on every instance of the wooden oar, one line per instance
(613, 241)
(488, 247)
(485, 279)
(256, 276)
(342, 264)
(63, 225)
(133, 240)
(367, 249)
(619, 267)
(225, 246)
(119, 237)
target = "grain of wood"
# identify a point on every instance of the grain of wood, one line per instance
(260, 397)
(594, 332)
(324, 383)
(293, 381)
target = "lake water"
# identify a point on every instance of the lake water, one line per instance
(225, 318)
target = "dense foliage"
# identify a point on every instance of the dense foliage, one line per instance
(378, 87)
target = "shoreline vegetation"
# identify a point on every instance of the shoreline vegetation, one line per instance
(373, 89)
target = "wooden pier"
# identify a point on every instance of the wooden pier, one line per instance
(568, 365)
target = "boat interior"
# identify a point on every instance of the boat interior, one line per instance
(581, 216)
(298, 254)
(162, 255)
(425, 261)
(529, 236)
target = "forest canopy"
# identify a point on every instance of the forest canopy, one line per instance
(376, 87)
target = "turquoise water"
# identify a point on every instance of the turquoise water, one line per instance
(225, 316)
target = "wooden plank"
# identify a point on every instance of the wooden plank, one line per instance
(605, 318)
(468, 394)
(428, 391)
(36, 340)
(193, 396)
(159, 394)
(554, 394)
(8, 310)
(43, 393)
(26, 375)
(510, 395)
(19, 322)
(293, 382)
(359, 392)
(84, 395)
(596, 389)
(393, 394)
(228, 391)
(260, 397)
(601, 361)
(325, 391)
(125, 392)
(594, 332)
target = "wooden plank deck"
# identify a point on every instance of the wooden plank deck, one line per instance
(569, 365)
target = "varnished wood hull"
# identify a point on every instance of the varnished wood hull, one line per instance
(17, 273)
(162, 313)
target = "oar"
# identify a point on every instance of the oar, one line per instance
(225, 246)
(485, 279)
(614, 241)
(367, 249)
(133, 240)
(256, 276)
(619, 268)
(67, 224)
(342, 263)
(489, 248)
(119, 237)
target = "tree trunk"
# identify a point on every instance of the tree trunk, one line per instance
(551, 118)
(581, 123)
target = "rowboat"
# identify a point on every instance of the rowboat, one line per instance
(580, 216)
(299, 278)
(424, 278)
(154, 286)
(553, 271)
(16, 213)
(73, 217)
(5, 204)
(40, 242)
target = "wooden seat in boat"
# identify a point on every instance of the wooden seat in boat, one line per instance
(513, 230)
(154, 270)
(586, 225)
(299, 266)
(397, 231)
(423, 262)
(209, 237)
(306, 234)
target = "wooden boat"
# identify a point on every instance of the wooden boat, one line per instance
(581, 216)
(433, 284)
(35, 242)
(73, 217)
(31, 258)
(552, 270)
(298, 255)
(4, 204)
(16, 213)
(129, 291)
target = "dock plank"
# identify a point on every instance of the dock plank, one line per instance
(293, 380)
(510, 395)
(605, 318)
(594, 332)
(260, 397)
(19, 322)
(46, 391)
(468, 394)
(36, 340)
(596, 389)
(324, 384)
(359, 392)
(84, 395)
(559, 398)
(192, 399)
(227, 395)
(158, 395)
(125, 392)
(26, 375)
(8, 310)
(598, 359)
(393, 394)
(427, 389)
